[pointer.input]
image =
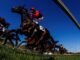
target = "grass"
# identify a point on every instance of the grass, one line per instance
(8, 53)
(67, 57)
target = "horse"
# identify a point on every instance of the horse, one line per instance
(61, 50)
(11, 35)
(7, 34)
(37, 38)
(3, 22)
(25, 17)
(3, 26)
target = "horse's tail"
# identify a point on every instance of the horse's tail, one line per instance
(53, 41)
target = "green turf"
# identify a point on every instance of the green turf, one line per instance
(7, 53)
(67, 57)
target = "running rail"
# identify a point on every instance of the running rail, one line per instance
(67, 11)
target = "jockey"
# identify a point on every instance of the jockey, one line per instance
(36, 17)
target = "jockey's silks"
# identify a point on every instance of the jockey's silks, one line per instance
(36, 14)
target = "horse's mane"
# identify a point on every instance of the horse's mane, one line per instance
(22, 7)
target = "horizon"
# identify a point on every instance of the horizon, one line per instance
(60, 26)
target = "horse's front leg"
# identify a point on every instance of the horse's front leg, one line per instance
(17, 39)
(20, 44)
(11, 42)
(5, 41)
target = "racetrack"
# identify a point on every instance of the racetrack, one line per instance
(8, 53)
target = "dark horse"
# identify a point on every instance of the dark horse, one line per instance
(7, 34)
(3, 24)
(11, 35)
(28, 27)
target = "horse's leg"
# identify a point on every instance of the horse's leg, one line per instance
(1, 34)
(17, 39)
(16, 42)
(41, 47)
(5, 41)
(21, 44)
(11, 42)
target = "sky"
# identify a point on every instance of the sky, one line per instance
(60, 26)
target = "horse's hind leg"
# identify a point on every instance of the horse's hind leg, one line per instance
(11, 42)
(16, 42)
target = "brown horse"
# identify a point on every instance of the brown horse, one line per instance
(3, 26)
(3, 22)
(11, 35)
(61, 50)
(8, 34)
(37, 38)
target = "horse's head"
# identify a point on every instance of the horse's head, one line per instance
(19, 9)
(7, 25)
(4, 23)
